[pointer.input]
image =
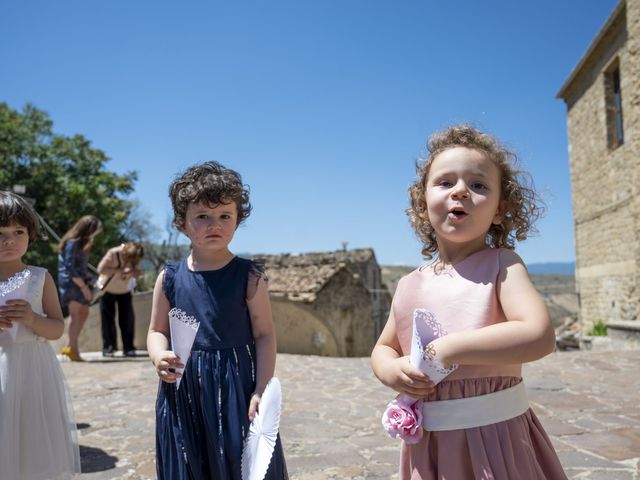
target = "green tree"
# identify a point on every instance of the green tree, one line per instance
(65, 176)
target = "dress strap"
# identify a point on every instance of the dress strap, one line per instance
(170, 269)
(256, 272)
(36, 288)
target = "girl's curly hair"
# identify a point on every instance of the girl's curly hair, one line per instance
(521, 206)
(210, 183)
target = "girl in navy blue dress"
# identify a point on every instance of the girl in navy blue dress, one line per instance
(200, 426)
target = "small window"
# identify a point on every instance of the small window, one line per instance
(613, 99)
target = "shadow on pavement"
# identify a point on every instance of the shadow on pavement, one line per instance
(95, 460)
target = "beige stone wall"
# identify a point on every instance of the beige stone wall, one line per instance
(371, 276)
(605, 183)
(633, 94)
(344, 305)
(91, 337)
(300, 331)
(337, 323)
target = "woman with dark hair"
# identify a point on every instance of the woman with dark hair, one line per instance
(75, 293)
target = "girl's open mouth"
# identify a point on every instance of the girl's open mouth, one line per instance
(457, 213)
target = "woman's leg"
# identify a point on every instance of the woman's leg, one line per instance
(78, 313)
(126, 320)
(108, 317)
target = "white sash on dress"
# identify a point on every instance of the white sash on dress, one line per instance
(475, 411)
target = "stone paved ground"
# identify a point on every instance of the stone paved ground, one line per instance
(587, 401)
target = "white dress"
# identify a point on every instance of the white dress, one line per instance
(38, 439)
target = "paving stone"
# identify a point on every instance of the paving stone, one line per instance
(331, 416)
(582, 460)
(616, 444)
(611, 475)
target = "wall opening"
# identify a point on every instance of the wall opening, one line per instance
(613, 101)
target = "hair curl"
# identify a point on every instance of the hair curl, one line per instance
(15, 210)
(520, 205)
(210, 183)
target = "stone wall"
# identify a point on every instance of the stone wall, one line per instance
(345, 305)
(371, 276)
(90, 339)
(300, 331)
(604, 181)
(337, 323)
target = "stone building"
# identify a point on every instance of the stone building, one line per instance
(330, 303)
(602, 95)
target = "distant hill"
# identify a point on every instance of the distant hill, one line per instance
(392, 273)
(556, 286)
(552, 268)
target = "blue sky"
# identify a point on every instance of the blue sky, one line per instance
(322, 106)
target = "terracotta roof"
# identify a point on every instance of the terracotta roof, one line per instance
(301, 277)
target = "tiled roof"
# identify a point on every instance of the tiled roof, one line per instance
(301, 277)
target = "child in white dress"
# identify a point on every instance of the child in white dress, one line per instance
(37, 432)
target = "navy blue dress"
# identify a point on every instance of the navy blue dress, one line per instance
(72, 262)
(200, 428)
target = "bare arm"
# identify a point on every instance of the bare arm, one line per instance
(159, 334)
(50, 325)
(394, 370)
(527, 334)
(265, 338)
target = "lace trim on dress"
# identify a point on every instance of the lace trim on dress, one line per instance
(14, 282)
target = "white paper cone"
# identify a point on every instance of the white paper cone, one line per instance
(15, 288)
(425, 330)
(183, 329)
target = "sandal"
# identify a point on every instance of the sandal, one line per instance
(71, 354)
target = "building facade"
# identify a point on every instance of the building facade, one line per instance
(602, 95)
(330, 303)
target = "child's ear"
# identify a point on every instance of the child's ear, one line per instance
(500, 213)
(180, 228)
(422, 209)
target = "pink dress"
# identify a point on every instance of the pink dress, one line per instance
(464, 297)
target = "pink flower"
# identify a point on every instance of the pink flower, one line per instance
(403, 418)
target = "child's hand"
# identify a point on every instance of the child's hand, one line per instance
(16, 311)
(408, 380)
(5, 323)
(165, 362)
(253, 405)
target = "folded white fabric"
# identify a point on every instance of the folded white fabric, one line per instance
(475, 411)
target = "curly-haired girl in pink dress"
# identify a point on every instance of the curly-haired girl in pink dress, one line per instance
(469, 205)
